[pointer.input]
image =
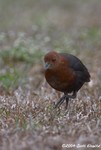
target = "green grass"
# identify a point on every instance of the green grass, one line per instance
(9, 81)
(21, 54)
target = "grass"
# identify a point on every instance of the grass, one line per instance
(28, 119)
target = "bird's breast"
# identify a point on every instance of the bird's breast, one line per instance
(60, 81)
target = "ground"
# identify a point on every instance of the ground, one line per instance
(28, 30)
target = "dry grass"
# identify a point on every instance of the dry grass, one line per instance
(28, 120)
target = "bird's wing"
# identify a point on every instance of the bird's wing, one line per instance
(77, 65)
(74, 62)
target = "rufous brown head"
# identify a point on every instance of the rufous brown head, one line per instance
(52, 60)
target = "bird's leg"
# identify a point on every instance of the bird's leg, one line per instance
(71, 96)
(60, 101)
(67, 99)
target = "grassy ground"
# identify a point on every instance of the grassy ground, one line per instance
(28, 30)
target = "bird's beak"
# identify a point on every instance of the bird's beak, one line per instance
(47, 65)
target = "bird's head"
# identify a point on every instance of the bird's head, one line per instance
(52, 60)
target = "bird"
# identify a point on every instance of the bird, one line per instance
(65, 73)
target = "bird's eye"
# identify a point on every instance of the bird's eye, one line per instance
(53, 60)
